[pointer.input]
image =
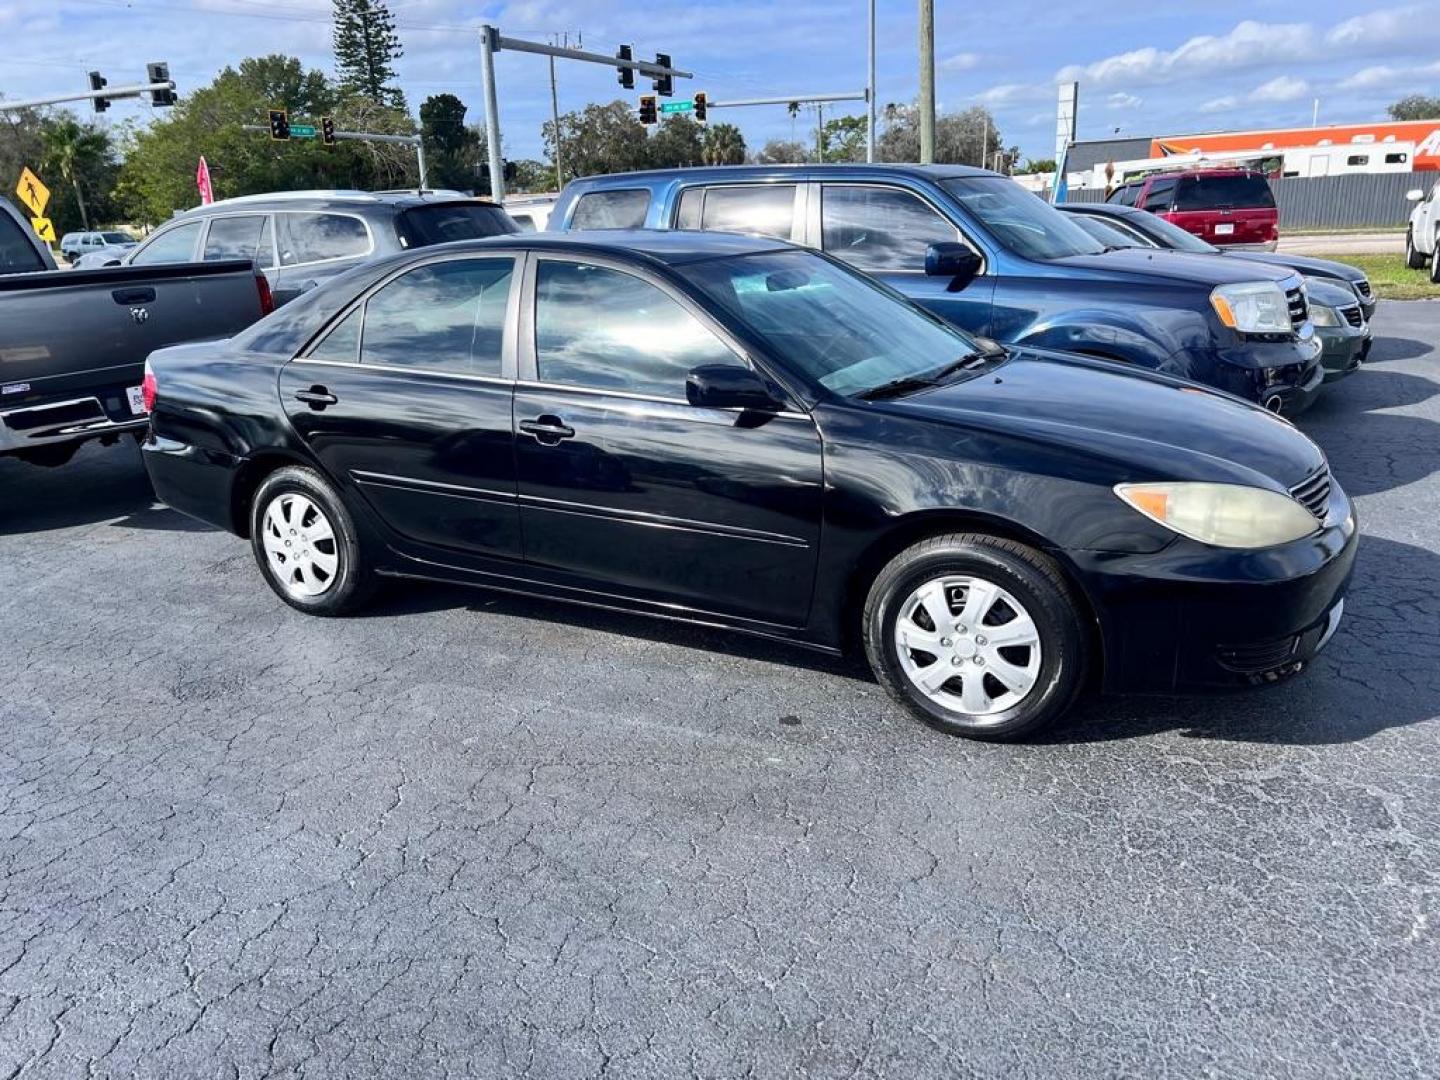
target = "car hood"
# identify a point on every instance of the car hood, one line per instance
(1329, 292)
(1149, 264)
(1303, 263)
(1151, 427)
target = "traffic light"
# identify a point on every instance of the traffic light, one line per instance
(159, 72)
(664, 85)
(97, 83)
(700, 106)
(648, 111)
(627, 75)
(279, 125)
(327, 130)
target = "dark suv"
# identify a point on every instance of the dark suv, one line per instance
(301, 238)
(984, 253)
(1224, 206)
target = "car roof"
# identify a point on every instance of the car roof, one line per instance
(1111, 209)
(670, 246)
(335, 200)
(751, 172)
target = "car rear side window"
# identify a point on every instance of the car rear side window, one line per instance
(761, 209)
(237, 237)
(611, 209)
(440, 223)
(875, 228)
(308, 238)
(175, 245)
(342, 344)
(17, 253)
(448, 316)
(1223, 192)
(609, 330)
(1124, 196)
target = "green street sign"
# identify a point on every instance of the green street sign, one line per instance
(302, 131)
(665, 107)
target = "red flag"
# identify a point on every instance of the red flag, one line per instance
(202, 181)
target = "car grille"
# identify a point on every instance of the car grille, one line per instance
(1352, 315)
(1363, 288)
(1313, 492)
(1258, 659)
(1295, 299)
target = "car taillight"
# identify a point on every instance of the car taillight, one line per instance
(148, 386)
(267, 298)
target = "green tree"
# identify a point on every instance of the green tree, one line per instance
(366, 48)
(676, 143)
(599, 139)
(844, 138)
(782, 152)
(961, 138)
(158, 174)
(722, 144)
(452, 149)
(532, 176)
(77, 154)
(1415, 107)
(1039, 165)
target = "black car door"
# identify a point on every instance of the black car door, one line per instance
(406, 401)
(625, 488)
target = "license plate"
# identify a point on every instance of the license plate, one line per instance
(1225, 229)
(137, 399)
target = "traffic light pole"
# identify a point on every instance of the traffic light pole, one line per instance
(794, 99)
(371, 136)
(492, 41)
(108, 94)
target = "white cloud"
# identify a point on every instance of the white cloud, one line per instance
(1281, 88)
(960, 62)
(1122, 100)
(1383, 76)
(1249, 44)
(1009, 93)
(1392, 26)
(1220, 104)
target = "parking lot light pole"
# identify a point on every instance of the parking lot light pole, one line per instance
(870, 92)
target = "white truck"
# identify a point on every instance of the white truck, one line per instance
(1422, 237)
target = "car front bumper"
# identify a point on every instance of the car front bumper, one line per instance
(1192, 617)
(1283, 375)
(1342, 349)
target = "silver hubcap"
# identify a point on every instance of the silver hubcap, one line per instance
(300, 545)
(968, 645)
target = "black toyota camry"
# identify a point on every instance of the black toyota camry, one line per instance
(735, 432)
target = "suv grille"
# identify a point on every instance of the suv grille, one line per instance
(1352, 315)
(1295, 298)
(1363, 288)
(1313, 492)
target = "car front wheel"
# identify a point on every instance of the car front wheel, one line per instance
(977, 636)
(1414, 259)
(306, 544)
(1435, 259)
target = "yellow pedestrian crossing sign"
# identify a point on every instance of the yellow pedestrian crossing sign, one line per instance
(44, 229)
(32, 192)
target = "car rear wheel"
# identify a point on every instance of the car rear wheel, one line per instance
(306, 544)
(1435, 259)
(976, 635)
(1413, 259)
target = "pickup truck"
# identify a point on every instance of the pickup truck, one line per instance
(73, 343)
(1010, 266)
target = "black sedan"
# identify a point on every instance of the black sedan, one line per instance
(739, 433)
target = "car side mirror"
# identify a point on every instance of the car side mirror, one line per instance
(955, 261)
(1414, 195)
(726, 386)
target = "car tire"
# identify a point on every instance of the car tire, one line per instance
(306, 544)
(984, 583)
(1435, 260)
(1414, 259)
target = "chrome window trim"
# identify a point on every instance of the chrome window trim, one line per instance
(275, 239)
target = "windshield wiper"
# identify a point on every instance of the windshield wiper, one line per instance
(896, 387)
(969, 362)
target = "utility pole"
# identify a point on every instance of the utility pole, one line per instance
(555, 119)
(489, 38)
(870, 92)
(985, 142)
(927, 82)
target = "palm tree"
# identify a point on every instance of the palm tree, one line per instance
(723, 144)
(73, 150)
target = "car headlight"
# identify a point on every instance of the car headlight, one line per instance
(1222, 515)
(1321, 315)
(1252, 307)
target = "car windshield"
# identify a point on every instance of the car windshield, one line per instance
(1021, 221)
(1170, 235)
(840, 329)
(116, 238)
(1106, 233)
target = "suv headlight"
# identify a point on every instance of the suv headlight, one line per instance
(1323, 315)
(1252, 307)
(1222, 515)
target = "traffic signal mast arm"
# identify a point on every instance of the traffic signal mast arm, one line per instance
(109, 93)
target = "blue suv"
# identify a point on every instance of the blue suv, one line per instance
(976, 248)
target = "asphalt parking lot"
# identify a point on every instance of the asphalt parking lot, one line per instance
(477, 836)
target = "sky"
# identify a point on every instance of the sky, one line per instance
(1143, 68)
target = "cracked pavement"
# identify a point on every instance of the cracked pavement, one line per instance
(470, 835)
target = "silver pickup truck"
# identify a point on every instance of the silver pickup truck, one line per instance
(73, 343)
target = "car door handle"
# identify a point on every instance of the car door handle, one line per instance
(547, 429)
(317, 397)
(141, 295)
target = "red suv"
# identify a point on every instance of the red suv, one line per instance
(1228, 207)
